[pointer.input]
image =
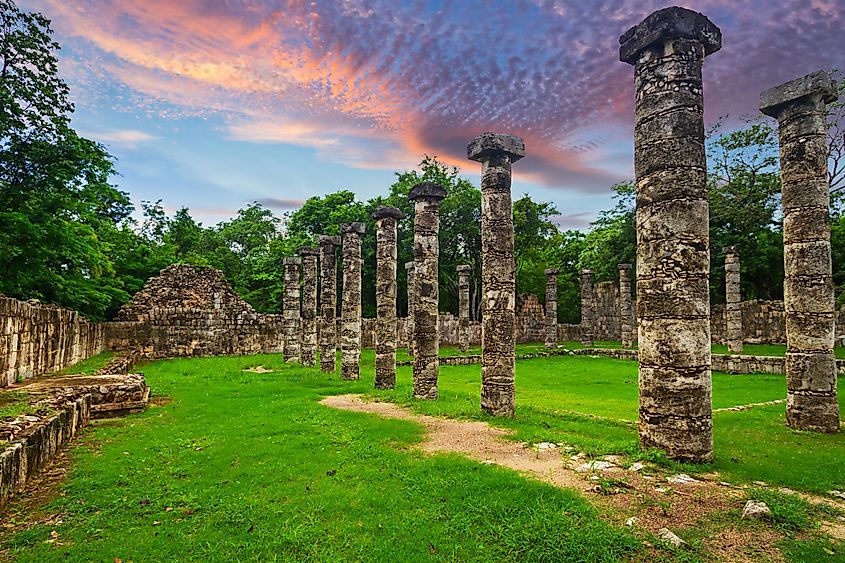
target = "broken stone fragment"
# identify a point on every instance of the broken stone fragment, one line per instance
(668, 536)
(755, 509)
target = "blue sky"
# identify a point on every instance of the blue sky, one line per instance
(214, 104)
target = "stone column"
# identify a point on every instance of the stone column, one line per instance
(328, 302)
(426, 197)
(412, 303)
(308, 352)
(626, 313)
(733, 312)
(587, 308)
(385, 337)
(551, 307)
(799, 106)
(463, 306)
(291, 308)
(667, 50)
(497, 153)
(350, 311)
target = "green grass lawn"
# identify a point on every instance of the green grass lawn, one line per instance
(245, 466)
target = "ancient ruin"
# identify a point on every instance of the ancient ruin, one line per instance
(350, 311)
(464, 271)
(409, 321)
(328, 302)
(497, 153)
(426, 197)
(385, 341)
(308, 347)
(667, 50)
(733, 311)
(586, 308)
(551, 307)
(291, 308)
(799, 107)
(626, 312)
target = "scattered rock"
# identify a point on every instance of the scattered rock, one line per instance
(613, 458)
(755, 509)
(638, 466)
(546, 446)
(596, 465)
(144, 501)
(668, 536)
(631, 521)
(331, 472)
(761, 483)
(681, 479)
(663, 490)
(837, 494)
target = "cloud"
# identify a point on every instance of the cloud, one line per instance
(578, 221)
(277, 203)
(126, 138)
(376, 84)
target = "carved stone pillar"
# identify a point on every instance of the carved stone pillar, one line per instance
(291, 308)
(463, 306)
(385, 337)
(551, 307)
(328, 302)
(350, 317)
(308, 350)
(626, 313)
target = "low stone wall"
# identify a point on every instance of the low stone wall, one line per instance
(36, 339)
(34, 440)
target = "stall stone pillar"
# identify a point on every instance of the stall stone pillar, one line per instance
(497, 153)
(667, 50)
(350, 317)
(626, 313)
(551, 307)
(308, 350)
(412, 300)
(808, 299)
(385, 338)
(463, 306)
(291, 308)
(733, 310)
(426, 197)
(328, 302)
(587, 308)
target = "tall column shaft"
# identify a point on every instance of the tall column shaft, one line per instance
(626, 313)
(586, 308)
(291, 308)
(497, 153)
(412, 304)
(667, 50)
(308, 350)
(808, 299)
(350, 316)
(551, 307)
(385, 337)
(328, 302)
(426, 197)
(463, 306)
(733, 311)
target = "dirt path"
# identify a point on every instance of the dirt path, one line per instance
(652, 500)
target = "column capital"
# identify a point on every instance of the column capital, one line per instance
(667, 24)
(409, 266)
(551, 271)
(309, 251)
(489, 144)
(464, 268)
(816, 84)
(292, 261)
(328, 240)
(733, 249)
(624, 266)
(427, 191)
(357, 228)
(586, 272)
(386, 211)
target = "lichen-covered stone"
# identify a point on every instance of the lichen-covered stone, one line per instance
(328, 302)
(733, 307)
(426, 197)
(587, 308)
(810, 366)
(667, 50)
(308, 351)
(350, 312)
(385, 342)
(464, 271)
(291, 308)
(551, 308)
(498, 280)
(412, 300)
(626, 313)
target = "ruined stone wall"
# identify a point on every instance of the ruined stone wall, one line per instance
(607, 321)
(36, 339)
(763, 322)
(192, 311)
(530, 320)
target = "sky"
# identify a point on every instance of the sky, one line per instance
(213, 104)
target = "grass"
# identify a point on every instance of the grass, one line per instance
(13, 404)
(87, 366)
(246, 466)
